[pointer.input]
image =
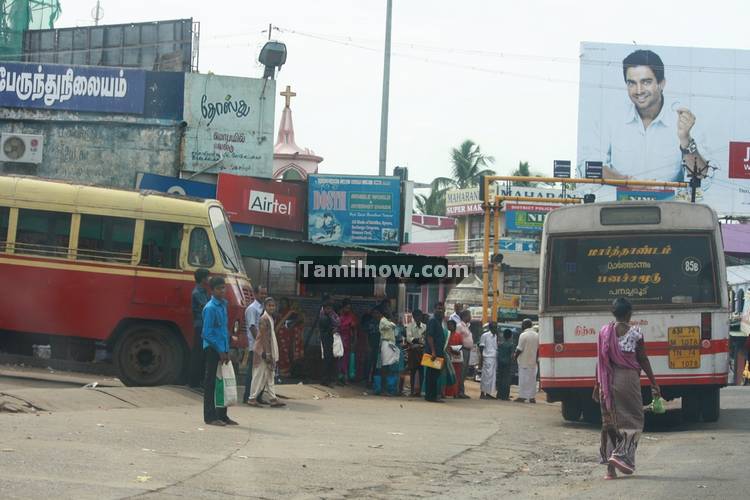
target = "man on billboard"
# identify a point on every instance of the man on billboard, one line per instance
(654, 138)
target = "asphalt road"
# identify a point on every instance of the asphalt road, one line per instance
(363, 446)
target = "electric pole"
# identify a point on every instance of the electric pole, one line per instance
(386, 83)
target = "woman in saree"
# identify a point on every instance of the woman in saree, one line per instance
(347, 330)
(621, 355)
(285, 336)
(454, 357)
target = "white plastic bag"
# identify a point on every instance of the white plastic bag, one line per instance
(389, 353)
(338, 346)
(225, 390)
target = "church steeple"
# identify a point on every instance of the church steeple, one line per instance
(289, 160)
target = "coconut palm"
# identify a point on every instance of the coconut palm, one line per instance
(432, 204)
(468, 165)
(524, 170)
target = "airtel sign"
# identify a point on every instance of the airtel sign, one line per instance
(262, 202)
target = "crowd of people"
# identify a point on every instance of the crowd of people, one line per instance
(429, 356)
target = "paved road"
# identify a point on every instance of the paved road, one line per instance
(362, 447)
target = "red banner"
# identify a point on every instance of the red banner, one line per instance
(739, 160)
(263, 202)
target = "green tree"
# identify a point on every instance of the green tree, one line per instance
(468, 163)
(431, 204)
(524, 170)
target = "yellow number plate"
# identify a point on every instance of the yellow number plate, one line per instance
(684, 347)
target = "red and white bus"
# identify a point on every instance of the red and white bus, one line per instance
(667, 259)
(82, 264)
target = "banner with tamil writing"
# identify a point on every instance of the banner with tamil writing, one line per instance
(75, 88)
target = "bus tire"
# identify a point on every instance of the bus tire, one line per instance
(148, 354)
(592, 413)
(571, 409)
(710, 404)
(691, 408)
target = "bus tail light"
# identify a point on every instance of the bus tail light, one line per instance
(558, 335)
(706, 326)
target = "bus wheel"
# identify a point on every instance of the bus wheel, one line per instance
(691, 408)
(710, 407)
(592, 413)
(571, 409)
(148, 354)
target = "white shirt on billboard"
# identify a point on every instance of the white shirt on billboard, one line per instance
(651, 153)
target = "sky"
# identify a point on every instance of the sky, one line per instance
(503, 74)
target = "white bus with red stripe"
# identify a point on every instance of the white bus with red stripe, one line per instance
(667, 259)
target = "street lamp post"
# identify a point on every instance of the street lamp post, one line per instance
(386, 83)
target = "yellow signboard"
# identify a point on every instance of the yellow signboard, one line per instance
(684, 347)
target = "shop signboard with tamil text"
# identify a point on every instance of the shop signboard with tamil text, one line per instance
(229, 125)
(74, 88)
(352, 209)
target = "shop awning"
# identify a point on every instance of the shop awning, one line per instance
(289, 250)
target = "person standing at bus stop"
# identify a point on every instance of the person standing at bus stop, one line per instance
(216, 349)
(526, 357)
(253, 312)
(199, 299)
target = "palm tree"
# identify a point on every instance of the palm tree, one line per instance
(524, 170)
(432, 204)
(468, 165)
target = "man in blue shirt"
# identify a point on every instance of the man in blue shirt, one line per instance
(199, 299)
(216, 349)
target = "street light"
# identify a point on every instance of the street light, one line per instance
(272, 56)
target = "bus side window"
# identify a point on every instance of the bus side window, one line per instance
(199, 252)
(108, 239)
(161, 244)
(4, 215)
(41, 232)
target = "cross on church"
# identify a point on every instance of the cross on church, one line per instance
(288, 94)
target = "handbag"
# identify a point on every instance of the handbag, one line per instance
(225, 388)
(437, 364)
(389, 353)
(338, 346)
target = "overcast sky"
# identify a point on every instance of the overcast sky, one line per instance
(519, 102)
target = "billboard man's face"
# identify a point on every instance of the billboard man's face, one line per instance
(643, 89)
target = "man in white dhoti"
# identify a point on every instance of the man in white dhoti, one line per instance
(265, 357)
(526, 357)
(488, 361)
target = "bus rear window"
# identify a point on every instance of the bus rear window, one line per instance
(649, 270)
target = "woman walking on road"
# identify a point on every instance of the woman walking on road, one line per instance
(621, 355)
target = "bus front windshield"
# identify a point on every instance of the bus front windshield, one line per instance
(225, 239)
(650, 270)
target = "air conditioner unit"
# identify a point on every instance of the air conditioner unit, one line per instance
(21, 148)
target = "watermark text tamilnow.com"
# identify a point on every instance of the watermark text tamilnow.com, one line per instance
(356, 268)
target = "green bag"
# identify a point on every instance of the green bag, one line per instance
(657, 405)
(225, 389)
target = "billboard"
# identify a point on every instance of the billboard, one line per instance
(466, 201)
(229, 124)
(352, 209)
(155, 45)
(643, 110)
(78, 88)
(526, 217)
(173, 185)
(263, 202)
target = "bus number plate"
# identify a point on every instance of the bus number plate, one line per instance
(684, 347)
